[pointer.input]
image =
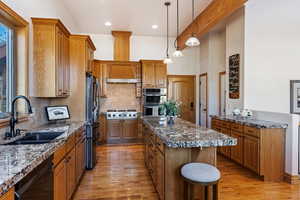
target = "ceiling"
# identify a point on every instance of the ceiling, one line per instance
(137, 16)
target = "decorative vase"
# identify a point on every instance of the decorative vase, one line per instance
(171, 120)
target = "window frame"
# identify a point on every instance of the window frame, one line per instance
(20, 28)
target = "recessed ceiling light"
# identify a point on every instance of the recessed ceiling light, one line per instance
(155, 26)
(107, 24)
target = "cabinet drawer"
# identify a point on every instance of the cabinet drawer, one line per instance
(251, 131)
(226, 124)
(160, 145)
(237, 127)
(59, 154)
(71, 142)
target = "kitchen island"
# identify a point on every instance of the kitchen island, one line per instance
(168, 147)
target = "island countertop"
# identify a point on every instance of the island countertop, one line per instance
(17, 161)
(184, 134)
(250, 121)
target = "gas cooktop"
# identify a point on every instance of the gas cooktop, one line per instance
(121, 114)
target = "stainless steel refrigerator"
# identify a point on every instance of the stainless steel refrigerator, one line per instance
(92, 116)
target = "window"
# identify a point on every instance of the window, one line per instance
(6, 68)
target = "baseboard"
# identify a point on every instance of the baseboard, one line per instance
(291, 179)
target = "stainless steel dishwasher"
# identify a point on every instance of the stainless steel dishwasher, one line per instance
(38, 184)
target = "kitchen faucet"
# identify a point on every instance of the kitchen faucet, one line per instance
(14, 119)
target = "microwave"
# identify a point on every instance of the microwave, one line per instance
(154, 100)
(153, 111)
(154, 96)
(155, 91)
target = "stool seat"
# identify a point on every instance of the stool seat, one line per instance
(200, 173)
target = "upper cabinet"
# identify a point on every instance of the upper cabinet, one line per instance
(51, 67)
(154, 74)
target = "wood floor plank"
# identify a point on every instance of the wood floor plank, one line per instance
(121, 175)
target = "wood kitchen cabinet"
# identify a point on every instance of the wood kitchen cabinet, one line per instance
(154, 74)
(160, 174)
(51, 65)
(251, 153)
(60, 181)
(256, 149)
(69, 166)
(122, 131)
(10, 195)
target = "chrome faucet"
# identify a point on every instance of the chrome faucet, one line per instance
(13, 119)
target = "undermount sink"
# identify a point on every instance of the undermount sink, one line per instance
(36, 138)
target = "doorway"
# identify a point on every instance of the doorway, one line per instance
(203, 100)
(181, 88)
(222, 93)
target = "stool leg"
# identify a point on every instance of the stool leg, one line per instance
(215, 192)
(206, 192)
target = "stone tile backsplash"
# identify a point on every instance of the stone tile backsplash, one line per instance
(120, 96)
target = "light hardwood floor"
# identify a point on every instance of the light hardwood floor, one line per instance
(121, 175)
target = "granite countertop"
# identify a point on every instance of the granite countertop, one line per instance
(184, 134)
(17, 161)
(249, 121)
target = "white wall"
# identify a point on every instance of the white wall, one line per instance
(272, 52)
(45, 9)
(235, 27)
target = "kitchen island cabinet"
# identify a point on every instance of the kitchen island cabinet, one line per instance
(260, 144)
(167, 148)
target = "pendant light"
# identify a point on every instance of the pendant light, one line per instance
(177, 53)
(192, 41)
(167, 60)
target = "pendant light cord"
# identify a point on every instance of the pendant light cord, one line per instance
(167, 30)
(175, 42)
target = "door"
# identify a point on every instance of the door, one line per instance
(182, 89)
(203, 100)
(251, 153)
(222, 93)
(71, 173)
(161, 75)
(114, 130)
(60, 181)
(130, 129)
(237, 152)
(148, 71)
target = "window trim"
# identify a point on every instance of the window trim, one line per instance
(20, 29)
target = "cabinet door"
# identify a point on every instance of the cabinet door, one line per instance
(89, 58)
(66, 68)
(161, 75)
(103, 134)
(114, 129)
(237, 152)
(59, 63)
(71, 173)
(130, 129)
(103, 85)
(148, 71)
(160, 174)
(80, 159)
(251, 153)
(60, 181)
(226, 151)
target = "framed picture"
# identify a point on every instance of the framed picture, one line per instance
(234, 76)
(57, 113)
(295, 96)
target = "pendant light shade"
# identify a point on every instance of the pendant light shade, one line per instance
(193, 41)
(167, 60)
(178, 52)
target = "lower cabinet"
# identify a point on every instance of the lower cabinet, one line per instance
(60, 181)
(226, 151)
(10, 195)
(237, 151)
(69, 167)
(71, 179)
(160, 174)
(122, 131)
(251, 153)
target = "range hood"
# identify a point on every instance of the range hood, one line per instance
(121, 70)
(115, 80)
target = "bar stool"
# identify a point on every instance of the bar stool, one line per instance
(202, 174)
